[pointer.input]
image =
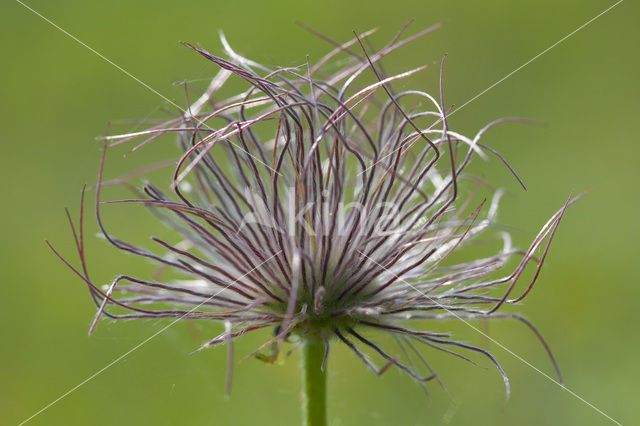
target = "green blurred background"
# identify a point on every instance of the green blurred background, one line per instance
(57, 97)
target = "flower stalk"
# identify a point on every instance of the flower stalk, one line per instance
(314, 381)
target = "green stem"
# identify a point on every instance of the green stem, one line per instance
(314, 381)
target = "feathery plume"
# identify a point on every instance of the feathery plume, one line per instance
(315, 202)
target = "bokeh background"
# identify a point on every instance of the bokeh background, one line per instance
(57, 96)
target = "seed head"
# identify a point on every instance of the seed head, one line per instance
(321, 200)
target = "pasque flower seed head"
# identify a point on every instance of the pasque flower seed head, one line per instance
(322, 200)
